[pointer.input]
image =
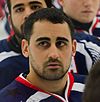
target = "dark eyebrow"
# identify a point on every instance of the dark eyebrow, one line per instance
(17, 5)
(62, 38)
(42, 38)
(32, 2)
(35, 2)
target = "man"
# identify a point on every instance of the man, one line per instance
(83, 14)
(92, 88)
(49, 44)
(12, 62)
(88, 46)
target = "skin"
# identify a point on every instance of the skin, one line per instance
(49, 50)
(81, 10)
(21, 9)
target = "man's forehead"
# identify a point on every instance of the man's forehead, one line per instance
(14, 2)
(48, 29)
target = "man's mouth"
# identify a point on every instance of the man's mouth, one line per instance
(54, 65)
(87, 11)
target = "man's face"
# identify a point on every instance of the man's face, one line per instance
(50, 50)
(81, 10)
(20, 9)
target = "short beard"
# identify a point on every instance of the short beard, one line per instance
(50, 75)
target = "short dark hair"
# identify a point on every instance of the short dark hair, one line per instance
(48, 14)
(92, 87)
(48, 2)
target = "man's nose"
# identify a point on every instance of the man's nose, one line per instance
(53, 52)
(28, 11)
(87, 3)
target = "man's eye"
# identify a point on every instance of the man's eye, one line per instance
(61, 44)
(44, 44)
(18, 10)
(36, 7)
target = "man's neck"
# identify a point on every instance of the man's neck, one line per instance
(81, 26)
(56, 86)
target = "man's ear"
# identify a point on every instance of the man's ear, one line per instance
(74, 44)
(24, 47)
(61, 2)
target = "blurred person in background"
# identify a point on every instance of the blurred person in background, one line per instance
(83, 15)
(92, 88)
